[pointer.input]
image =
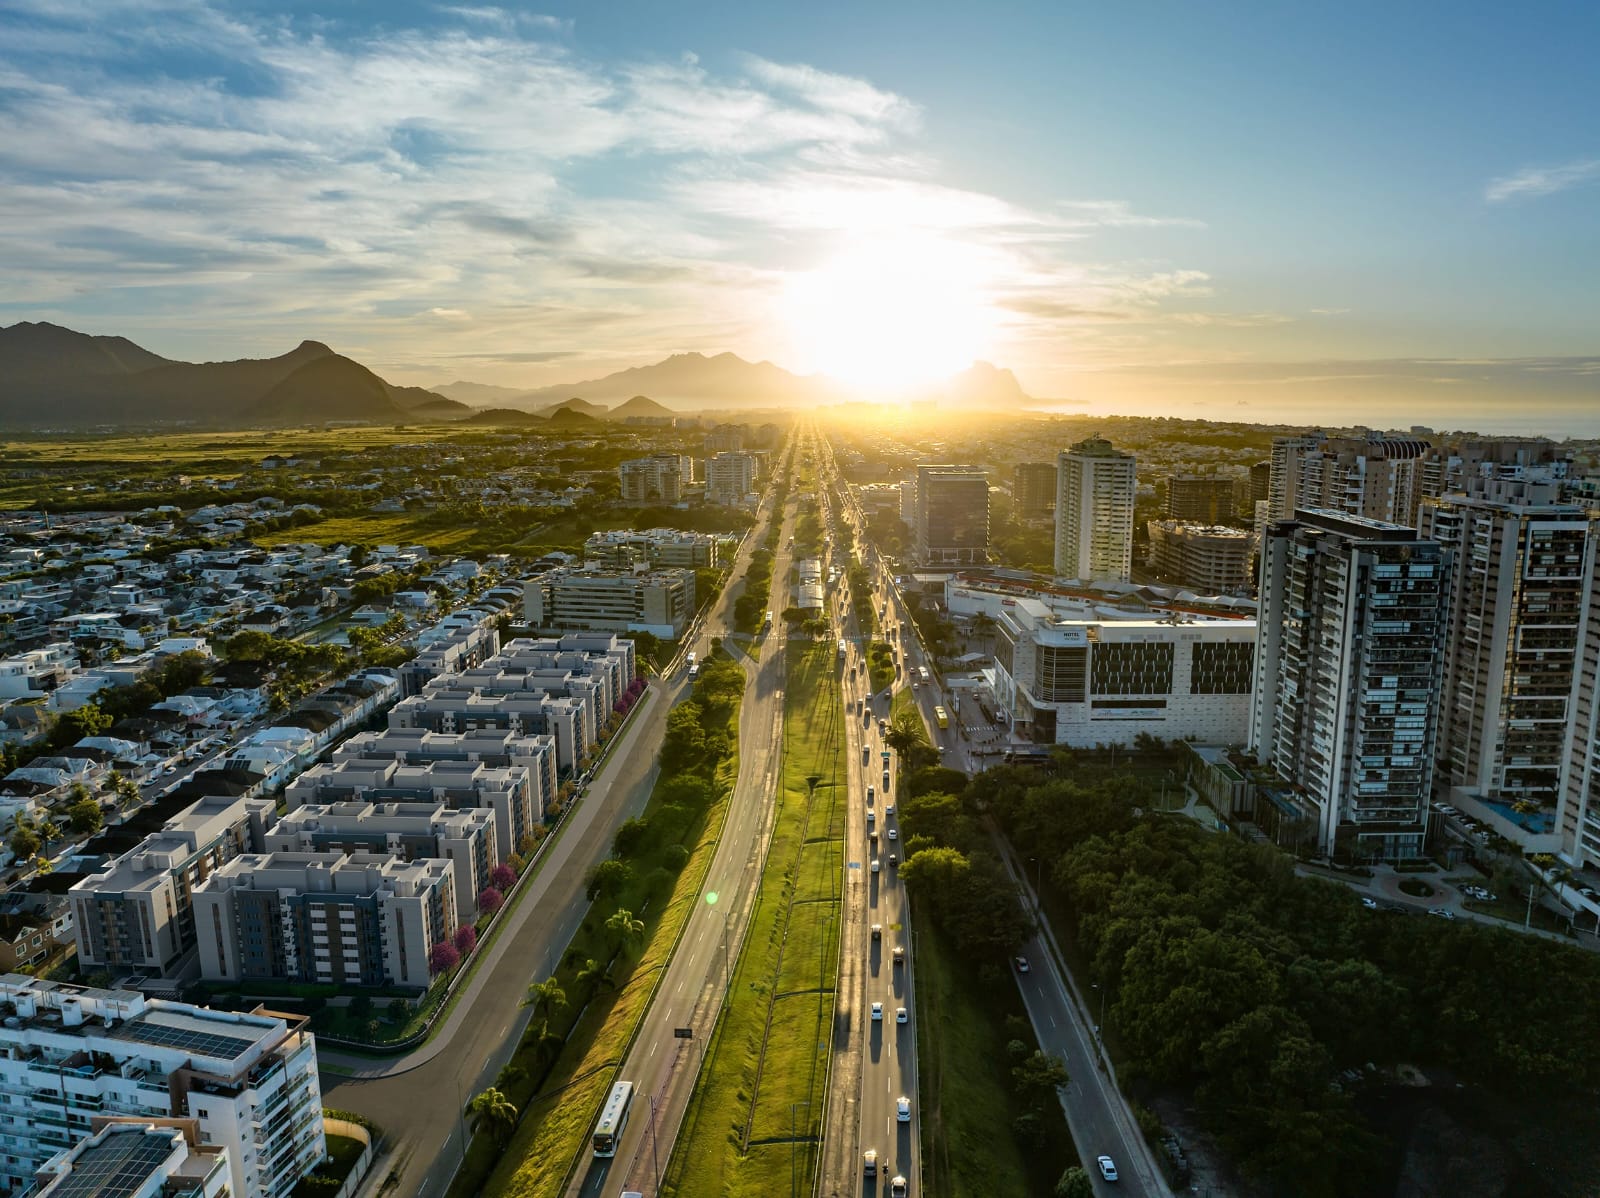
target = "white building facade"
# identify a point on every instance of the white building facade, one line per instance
(1095, 486)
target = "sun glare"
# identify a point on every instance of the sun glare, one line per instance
(889, 315)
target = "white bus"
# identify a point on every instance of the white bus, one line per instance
(613, 1118)
(842, 649)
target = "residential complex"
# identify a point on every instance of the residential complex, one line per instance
(1348, 665)
(730, 477)
(659, 478)
(952, 516)
(70, 1055)
(1033, 490)
(1374, 475)
(1094, 512)
(660, 602)
(627, 547)
(1200, 498)
(128, 1157)
(1211, 559)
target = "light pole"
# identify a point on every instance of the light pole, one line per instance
(794, 1106)
(655, 1160)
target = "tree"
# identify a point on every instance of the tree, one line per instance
(361, 1006)
(630, 837)
(593, 975)
(24, 840)
(399, 1011)
(48, 830)
(1074, 1183)
(466, 939)
(546, 998)
(443, 958)
(503, 877)
(609, 878)
(490, 900)
(493, 1114)
(1037, 1078)
(85, 818)
(625, 931)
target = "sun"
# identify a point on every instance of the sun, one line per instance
(890, 314)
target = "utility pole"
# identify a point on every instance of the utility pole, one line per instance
(655, 1160)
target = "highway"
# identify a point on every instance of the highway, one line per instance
(1097, 1113)
(661, 1065)
(417, 1099)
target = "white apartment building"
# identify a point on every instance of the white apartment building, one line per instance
(1372, 475)
(138, 1158)
(1095, 487)
(361, 919)
(659, 478)
(660, 602)
(1102, 682)
(730, 477)
(1525, 565)
(35, 674)
(135, 915)
(622, 547)
(70, 1054)
(1207, 559)
(1348, 665)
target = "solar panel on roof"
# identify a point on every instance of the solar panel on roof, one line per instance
(116, 1168)
(166, 1035)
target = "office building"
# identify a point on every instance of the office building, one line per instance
(464, 836)
(135, 914)
(1208, 559)
(1524, 569)
(360, 919)
(660, 602)
(730, 477)
(659, 478)
(1033, 490)
(952, 516)
(137, 1158)
(1200, 498)
(1373, 475)
(70, 1055)
(1349, 660)
(1094, 512)
(1091, 682)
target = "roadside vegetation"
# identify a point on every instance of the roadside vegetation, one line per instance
(880, 666)
(588, 1009)
(767, 1061)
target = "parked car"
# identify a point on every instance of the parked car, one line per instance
(1442, 912)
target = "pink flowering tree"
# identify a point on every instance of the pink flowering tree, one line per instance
(490, 900)
(466, 939)
(443, 958)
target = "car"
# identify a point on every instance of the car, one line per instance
(871, 794)
(1370, 904)
(893, 835)
(1022, 965)
(899, 954)
(877, 931)
(900, 1015)
(1588, 892)
(902, 1109)
(894, 860)
(866, 755)
(869, 1162)
(875, 865)
(888, 808)
(871, 815)
(877, 1012)
(886, 787)
(897, 1187)
(1108, 1167)
(1442, 912)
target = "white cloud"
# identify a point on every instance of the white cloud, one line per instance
(1532, 182)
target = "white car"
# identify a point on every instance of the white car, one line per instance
(874, 865)
(897, 1187)
(902, 1109)
(893, 835)
(1108, 1168)
(889, 809)
(900, 1015)
(877, 1012)
(869, 1162)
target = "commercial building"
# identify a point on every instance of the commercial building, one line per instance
(70, 1055)
(1094, 512)
(730, 477)
(659, 478)
(1524, 569)
(952, 516)
(1094, 682)
(363, 919)
(660, 602)
(1200, 498)
(627, 547)
(1210, 559)
(1349, 660)
(1373, 475)
(464, 836)
(135, 915)
(1033, 490)
(138, 1158)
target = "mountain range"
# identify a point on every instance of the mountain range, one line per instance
(53, 377)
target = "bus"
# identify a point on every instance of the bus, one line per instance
(613, 1118)
(842, 649)
(922, 673)
(941, 717)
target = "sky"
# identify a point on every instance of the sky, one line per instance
(1376, 212)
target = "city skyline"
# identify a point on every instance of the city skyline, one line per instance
(1211, 221)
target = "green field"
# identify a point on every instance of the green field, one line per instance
(768, 1059)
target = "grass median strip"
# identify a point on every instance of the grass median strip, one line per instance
(752, 1122)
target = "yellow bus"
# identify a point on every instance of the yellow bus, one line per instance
(941, 717)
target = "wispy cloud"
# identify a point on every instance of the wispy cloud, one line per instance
(1532, 182)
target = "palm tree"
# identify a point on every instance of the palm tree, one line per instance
(546, 998)
(625, 929)
(593, 973)
(493, 1114)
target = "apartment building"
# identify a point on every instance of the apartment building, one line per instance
(137, 1158)
(624, 547)
(1371, 475)
(1348, 665)
(135, 915)
(660, 602)
(360, 919)
(1456, 467)
(70, 1055)
(659, 478)
(730, 477)
(35, 674)
(1095, 486)
(1093, 682)
(1033, 490)
(1210, 559)
(952, 515)
(1200, 498)
(464, 836)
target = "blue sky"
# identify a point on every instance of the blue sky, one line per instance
(1154, 206)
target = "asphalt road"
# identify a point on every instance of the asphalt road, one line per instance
(661, 1065)
(417, 1100)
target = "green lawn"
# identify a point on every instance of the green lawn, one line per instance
(969, 1149)
(769, 1051)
